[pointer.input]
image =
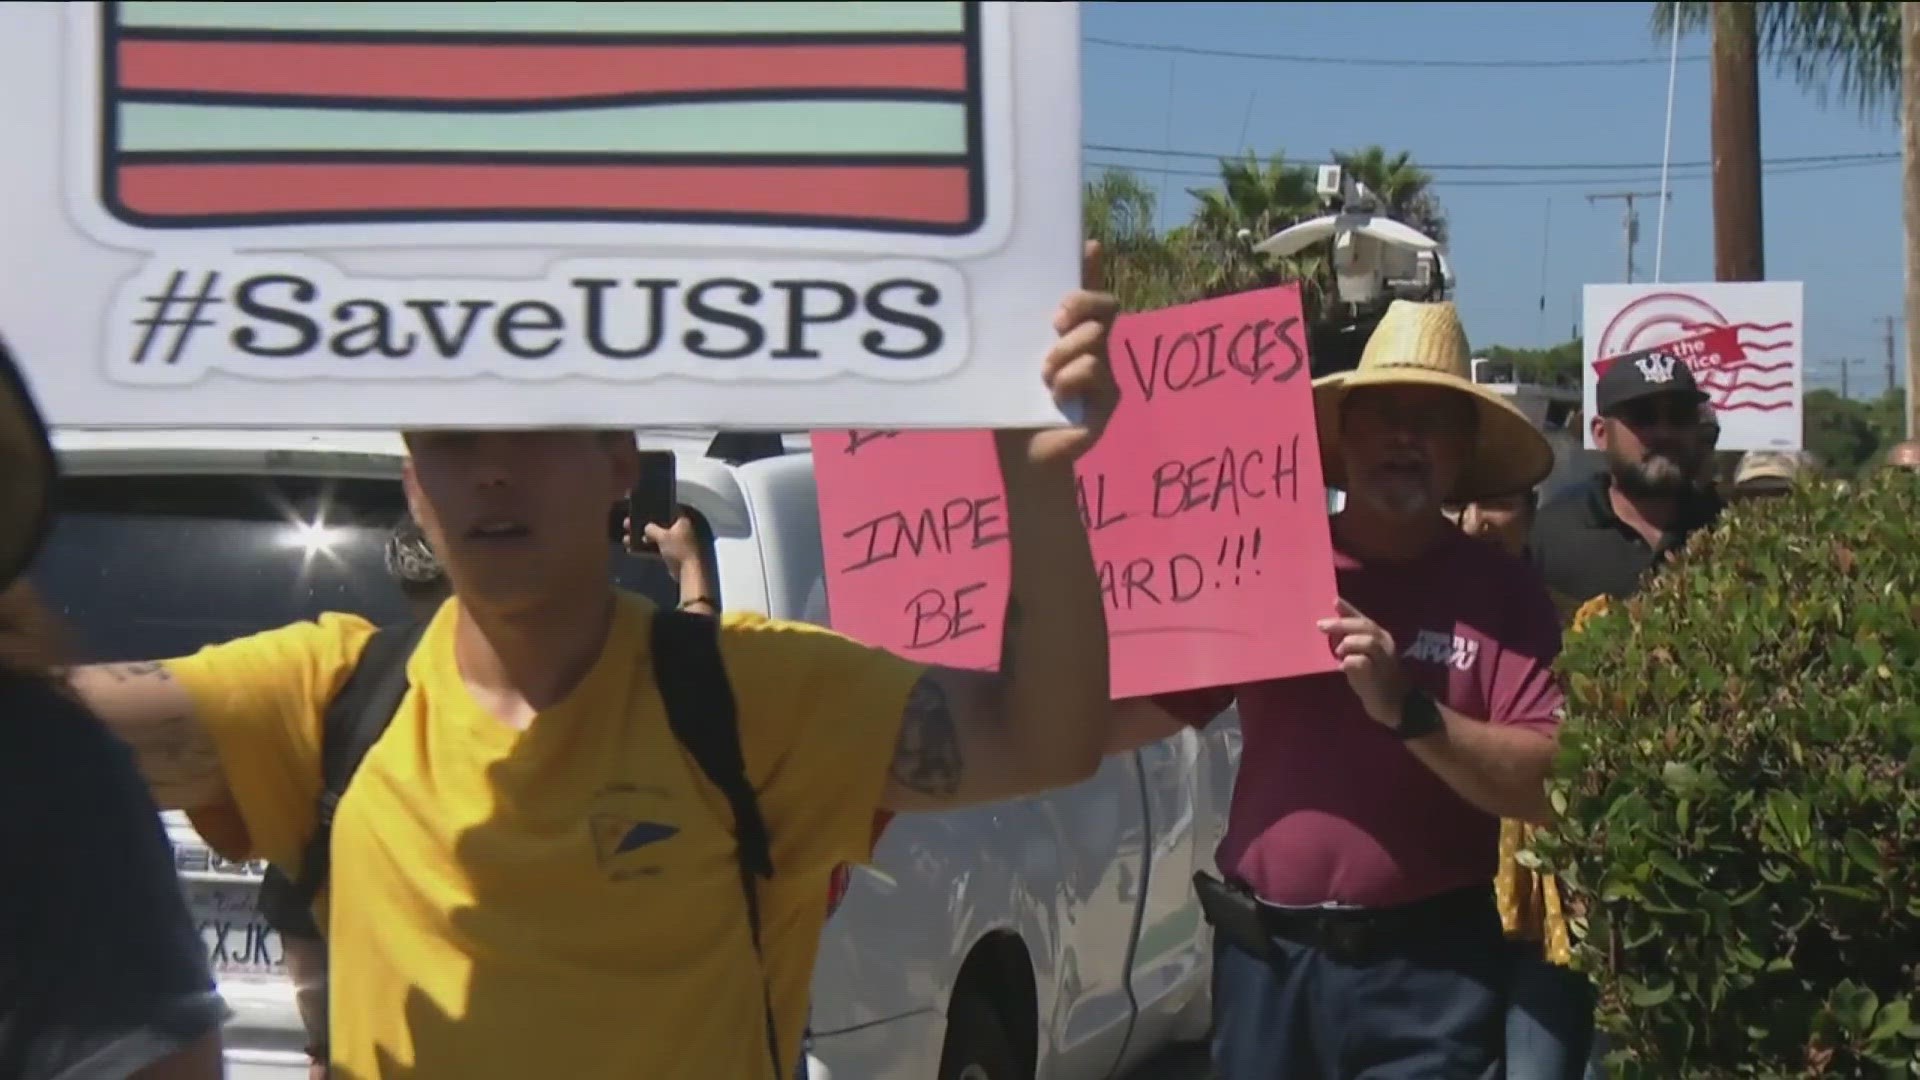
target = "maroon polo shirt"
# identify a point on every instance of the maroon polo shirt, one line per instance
(1331, 807)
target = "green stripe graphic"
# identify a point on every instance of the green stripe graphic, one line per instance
(753, 127)
(858, 17)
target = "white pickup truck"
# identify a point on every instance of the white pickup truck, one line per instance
(1049, 938)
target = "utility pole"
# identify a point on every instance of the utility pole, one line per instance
(1910, 189)
(1631, 221)
(1846, 367)
(1892, 377)
(1738, 243)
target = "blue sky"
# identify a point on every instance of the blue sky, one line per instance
(1838, 229)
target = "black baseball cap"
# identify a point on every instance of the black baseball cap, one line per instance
(1646, 373)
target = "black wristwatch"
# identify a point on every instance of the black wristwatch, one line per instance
(1419, 715)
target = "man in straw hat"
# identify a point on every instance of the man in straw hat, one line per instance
(1356, 933)
(1766, 474)
(1602, 536)
(532, 875)
(102, 973)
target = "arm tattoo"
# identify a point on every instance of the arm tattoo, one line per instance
(927, 759)
(142, 669)
(176, 754)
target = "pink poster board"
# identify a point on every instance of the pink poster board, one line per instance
(1204, 503)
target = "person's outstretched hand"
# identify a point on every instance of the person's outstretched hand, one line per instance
(678, 545)
(1076, 370)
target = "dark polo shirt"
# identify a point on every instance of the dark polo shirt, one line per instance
(1583, 549)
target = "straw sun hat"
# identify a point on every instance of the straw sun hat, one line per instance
(26, 472)
(1424, 345)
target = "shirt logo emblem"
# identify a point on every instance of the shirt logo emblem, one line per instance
(1447, 650)
(624, 823)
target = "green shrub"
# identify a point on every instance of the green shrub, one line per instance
(1738, 796)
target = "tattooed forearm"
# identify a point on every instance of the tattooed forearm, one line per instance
(927, 757)
(176, 755)
(152, 713)
(141, 669)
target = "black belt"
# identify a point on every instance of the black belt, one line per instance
(1373, 931)
(1348, 932)
(1240, 919)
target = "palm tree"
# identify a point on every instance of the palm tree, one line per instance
(1402, 187)
(1862, 53)
(1212, 254)
(1255, 199)
(1846, 49)
(1145, 269)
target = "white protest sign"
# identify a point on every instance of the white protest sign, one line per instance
(751, 215)
(1743, 341)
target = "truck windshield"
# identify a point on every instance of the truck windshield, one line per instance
(149, 567)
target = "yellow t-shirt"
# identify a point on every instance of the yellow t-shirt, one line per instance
(562, 901)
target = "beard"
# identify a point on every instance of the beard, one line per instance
(1397, 497)
(1657, 475)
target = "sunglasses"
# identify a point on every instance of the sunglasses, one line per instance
(1648, 411)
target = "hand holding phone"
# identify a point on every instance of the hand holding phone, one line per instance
(654, 500)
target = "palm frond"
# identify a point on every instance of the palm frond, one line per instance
(1845, 50)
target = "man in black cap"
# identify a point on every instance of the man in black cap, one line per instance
(1602, 536)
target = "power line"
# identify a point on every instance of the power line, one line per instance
(1449, 183)
(1374, 61)
(1557, 166)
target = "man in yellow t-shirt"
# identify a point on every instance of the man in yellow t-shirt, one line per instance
(531, 877)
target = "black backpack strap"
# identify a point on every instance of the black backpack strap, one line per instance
(281, 906)
(356, 718)
(700, 709)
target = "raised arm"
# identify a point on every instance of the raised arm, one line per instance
(1041, 720)
(153, 714)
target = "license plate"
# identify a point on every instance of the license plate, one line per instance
(239, 942)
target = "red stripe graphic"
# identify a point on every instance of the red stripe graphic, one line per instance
(528, 73)
(1712, 382)
(915, 194)
(1749, 365)
(1749, 327)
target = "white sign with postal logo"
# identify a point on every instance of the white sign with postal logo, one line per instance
(505, 214)
(1742, 340)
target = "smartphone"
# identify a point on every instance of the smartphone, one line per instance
(655, 499)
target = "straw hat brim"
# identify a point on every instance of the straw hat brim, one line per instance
(27, 472)
(1510, 455)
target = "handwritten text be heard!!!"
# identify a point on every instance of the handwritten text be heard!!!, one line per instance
(1203, 501)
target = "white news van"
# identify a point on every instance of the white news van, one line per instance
(1051, 938)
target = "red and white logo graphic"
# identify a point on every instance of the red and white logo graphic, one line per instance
(1730, 360)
